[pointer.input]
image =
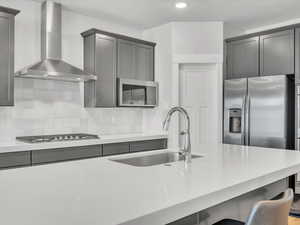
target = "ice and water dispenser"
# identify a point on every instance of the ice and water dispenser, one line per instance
(235, 120)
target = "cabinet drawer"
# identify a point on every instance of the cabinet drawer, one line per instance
(14, 159)
(189, 220)
(64, 154)
(115, 149)
(148, 145)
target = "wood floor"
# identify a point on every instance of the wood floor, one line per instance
(294, 221)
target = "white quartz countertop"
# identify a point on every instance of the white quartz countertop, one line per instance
(14, 145)
(100, 191)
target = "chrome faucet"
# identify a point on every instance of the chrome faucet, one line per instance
(187, 144)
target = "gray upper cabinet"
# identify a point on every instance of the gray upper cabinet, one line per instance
(144, 62)
(297, 55)
(277, 53)
(7, 22)
(110, 56)
(100, 59)
(135, 61)
(126, 59)
(243, 58)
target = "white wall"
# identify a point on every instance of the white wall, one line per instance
(162, 35)
(73, 24)
(235, 30)
(43, 107)
(232, 30)
(273, 26)
(174, 39)
(197, 38)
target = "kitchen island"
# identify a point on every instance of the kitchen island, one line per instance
(101, 191)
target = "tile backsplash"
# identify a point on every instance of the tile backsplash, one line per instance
(49, 107)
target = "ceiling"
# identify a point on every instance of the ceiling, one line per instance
(143, 14)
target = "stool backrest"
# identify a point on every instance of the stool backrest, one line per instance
(273, 212)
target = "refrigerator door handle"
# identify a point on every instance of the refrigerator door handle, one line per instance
(243, 136)
(298, 116)
(297, 144)
(247, 121)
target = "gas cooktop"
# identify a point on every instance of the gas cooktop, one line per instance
(56, 137)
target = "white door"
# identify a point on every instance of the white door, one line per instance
(199, 94)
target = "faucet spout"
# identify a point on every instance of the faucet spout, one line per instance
(187, 143)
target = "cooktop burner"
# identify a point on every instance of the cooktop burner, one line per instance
(56, 137)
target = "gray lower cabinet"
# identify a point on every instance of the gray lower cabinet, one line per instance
(64, 154)
(148, 145)
(277, 53)
(242, 58)
(14, 159)
(100, 59)
(137, 146)
(115, 149)
(36, 157)
(7, 22)
(189, 220)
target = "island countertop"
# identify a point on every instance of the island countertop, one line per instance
(103, 192)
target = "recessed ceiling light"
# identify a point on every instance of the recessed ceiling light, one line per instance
(180, 5)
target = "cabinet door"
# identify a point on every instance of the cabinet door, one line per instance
(148, 145)
(144, 58)
(243, 58)
(189, 220)
(297, 55)
(100, 58)
(115, 149)
(135, 61)
(126, 59)
(105, 67)
(14, 159)
(277, 53)
(65, 154)
(6, 59)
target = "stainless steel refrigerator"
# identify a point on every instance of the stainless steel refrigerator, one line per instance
(259, 111)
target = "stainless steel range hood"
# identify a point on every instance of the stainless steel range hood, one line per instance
(51, 66)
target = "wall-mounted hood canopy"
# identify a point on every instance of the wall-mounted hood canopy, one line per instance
(52, 66)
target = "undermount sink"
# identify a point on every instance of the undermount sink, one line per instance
(153, 159)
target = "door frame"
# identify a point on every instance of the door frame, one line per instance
(177, 61)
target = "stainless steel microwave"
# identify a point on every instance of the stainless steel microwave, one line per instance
(137, 93)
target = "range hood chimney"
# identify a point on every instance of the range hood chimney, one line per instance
(51, 66)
